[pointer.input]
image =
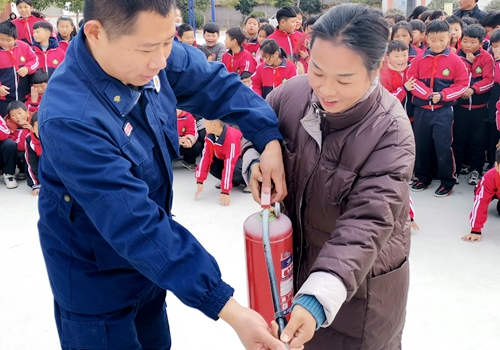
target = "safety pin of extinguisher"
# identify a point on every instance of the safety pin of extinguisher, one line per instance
(279, 317)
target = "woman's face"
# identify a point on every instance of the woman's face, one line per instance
(337, 75)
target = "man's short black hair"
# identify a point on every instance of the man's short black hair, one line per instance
(474, 31)
(254, 17)
(39, 77)
(211, 27)
(285, 13)
(119, 17)
(237, 34)
(492, 19)
(184, 27)
(397, 45)
(9, 29)
(34, 118)
(417, 24)
(495, 36)
(16, 105)
(454, 20)
(43, 24)
(437, 26)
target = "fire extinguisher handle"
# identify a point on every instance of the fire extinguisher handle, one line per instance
(265, 199)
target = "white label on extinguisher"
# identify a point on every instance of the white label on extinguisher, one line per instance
(286, 283)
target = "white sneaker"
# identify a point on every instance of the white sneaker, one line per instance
(10, 181)
(474, 178)
(217, 184)
(247, 189)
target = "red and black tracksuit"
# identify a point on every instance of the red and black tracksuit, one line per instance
(240, 62)
(50, 59)
(252, 46)
(289, 42)
(221, 156)
(11, 61)
(486, 190)
(442, 73)
(25, 28)
(63, 44)
(32, 154)
(18, 135)
(394, 82)
(267, 78)
(413, 52)
(8, 149)
(469, 128)
(186, 125)
(493, 121)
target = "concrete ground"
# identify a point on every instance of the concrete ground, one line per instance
(453, 301)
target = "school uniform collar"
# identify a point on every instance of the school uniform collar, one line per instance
(282, 65)
(53, 44)
(15, 45)
(462, 54)
(428, 52)
(230, 52)
(121, 97)
(220, 139)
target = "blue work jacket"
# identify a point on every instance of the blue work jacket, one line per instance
(106, 229)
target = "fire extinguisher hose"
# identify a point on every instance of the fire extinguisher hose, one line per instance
(278, 312)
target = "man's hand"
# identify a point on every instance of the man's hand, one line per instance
(4, 90)
(34, 94)
(470, 57)
(468, 93)
(269, 171)
(198, 191)
(436, 97)
(224, 200)
(23, 72)
(250, 327)
(300, 329)
(471, 237)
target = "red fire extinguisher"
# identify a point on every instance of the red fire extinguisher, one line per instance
(261, 291)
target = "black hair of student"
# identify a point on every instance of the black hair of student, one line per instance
(33, 12)
(205, 51)
(9, 29)
(39, 77)
(119, 17)
(396, 18)
(270, 47)
(397, 45)
(254, 17)
(183, 28)
(236, 33)
(16, 105)
(310, 21)
(474, 31)
(469, 20)
(34, 119)
(45, 25)
(417, 24)
(297, 10)
(245, 75)
(437, 15)
(285, 13)
(495, 36)
(492, 19)
(81, 23)
(269, 29)
(417, 11)
(358, 27)
(263, 20)
(401, 25)
(11, 15)
(425, 15)
(437, 26)
(211, 27)
(70, 20)
(497, 156)
(453, 20)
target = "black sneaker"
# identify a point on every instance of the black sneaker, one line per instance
(465, 170)
(442, 192)
(21, 176)
(190, 167)
(419, 187)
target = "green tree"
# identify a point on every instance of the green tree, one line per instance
(282, 3)
(311, 6)
(42, 4)
(435, 5)
(73, 6)
(493, 5)
(245, 6)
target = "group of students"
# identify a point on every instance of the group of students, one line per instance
(30, 51)
(446, 72)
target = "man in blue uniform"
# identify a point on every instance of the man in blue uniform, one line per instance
(108, 130)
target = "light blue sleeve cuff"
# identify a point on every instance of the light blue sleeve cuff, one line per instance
(311, 304)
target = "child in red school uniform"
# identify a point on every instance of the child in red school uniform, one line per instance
(185, 33)
(39, 82)
(285, 35)
(32, 154)
(66, 31)
(264, 31)
(275, 70)
(251, 43)
(27, 18)
(18, 121)
(237, 59)
(471, 112)
(304, 43)
(486, 191)
(221, 157)
(456, 28)
(17, 62)
(189, 146)
(493, 121)
(418, 34)
(46, 47)
(8, 156)
(403, 31)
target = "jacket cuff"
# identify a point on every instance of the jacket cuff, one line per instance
(199, 182)
(263, 137)
(311, 304)
(476, 231)
(225, 192)
(473, 89)
(35, 187)
(328, 289)
(216, 299)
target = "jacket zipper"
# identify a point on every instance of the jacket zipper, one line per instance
(16, 83)
(470, 97)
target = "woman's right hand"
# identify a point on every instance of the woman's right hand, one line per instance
(299, 330)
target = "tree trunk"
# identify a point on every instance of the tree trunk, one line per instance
(298, 3)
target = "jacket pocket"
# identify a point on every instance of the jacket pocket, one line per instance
(108, 259)
(83, 335)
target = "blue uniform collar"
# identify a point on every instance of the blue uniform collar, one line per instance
(222, 137)
(429, 52)
(122, 97)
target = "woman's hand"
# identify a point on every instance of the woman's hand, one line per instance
(299, 330)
